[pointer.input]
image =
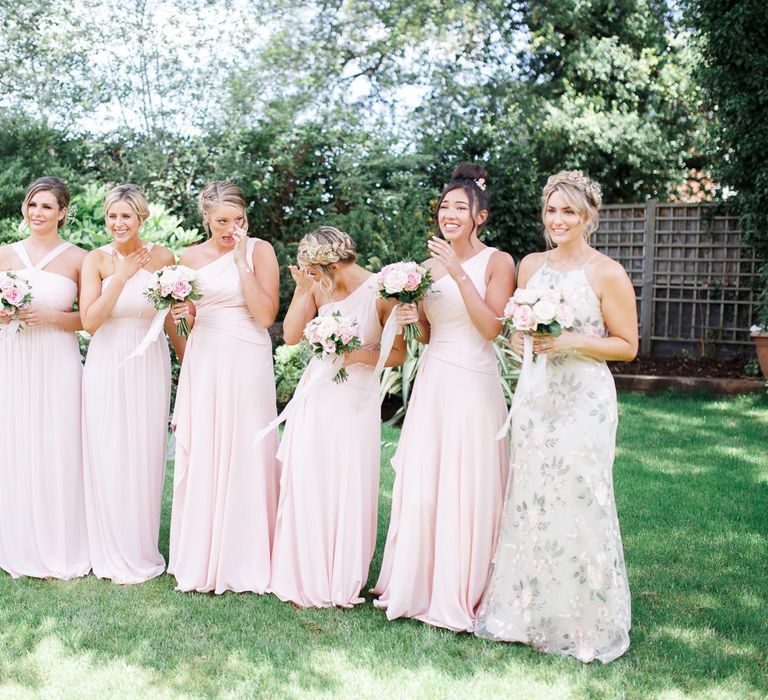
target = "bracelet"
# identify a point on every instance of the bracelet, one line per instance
(461, 279)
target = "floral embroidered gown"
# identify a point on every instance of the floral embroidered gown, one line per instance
(558, 581)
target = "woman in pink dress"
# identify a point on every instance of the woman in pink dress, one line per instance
(42, 515)
(559, 582)
(325, 533)
(450, 468)
(224, 487)
(125, 402)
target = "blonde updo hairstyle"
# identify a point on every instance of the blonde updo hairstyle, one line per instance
(220, 193)
(55, 186)
(134, 197)
(580, 192)
(324, 247)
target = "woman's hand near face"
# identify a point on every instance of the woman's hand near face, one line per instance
(126, 267)
(441, 250)
(241, 246)
(303, 279)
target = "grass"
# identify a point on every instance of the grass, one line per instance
(692, 488)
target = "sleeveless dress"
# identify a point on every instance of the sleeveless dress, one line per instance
(224, 487)
(325, 533)
(125, 425)
(559, 581)
(42, 515)
(450, 470)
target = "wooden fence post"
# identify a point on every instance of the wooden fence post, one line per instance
(649, 254)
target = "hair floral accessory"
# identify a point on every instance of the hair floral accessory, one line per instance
(480, 182)
(578, 179)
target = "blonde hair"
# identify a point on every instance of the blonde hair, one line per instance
(580, 192)
(219, 193)
(130, 194)
(322, 248)
(53, 185)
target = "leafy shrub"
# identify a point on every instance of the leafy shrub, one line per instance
(290, 363)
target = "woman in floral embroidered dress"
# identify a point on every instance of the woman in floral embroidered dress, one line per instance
(558, 580)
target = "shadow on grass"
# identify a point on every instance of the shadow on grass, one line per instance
(694, 531)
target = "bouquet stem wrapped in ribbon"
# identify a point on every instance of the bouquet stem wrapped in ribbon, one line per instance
(407, 282)
(540, 311)
(329, 337)
(173, 284)
(15, 294)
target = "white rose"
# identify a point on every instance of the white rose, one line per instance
(526, 296)
(550, 295)
(544, 311)
(326, 328)
(395, 281)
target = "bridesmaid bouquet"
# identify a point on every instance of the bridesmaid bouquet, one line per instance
(15, 294)
(333, 334)
(542, 311)
(407, 282)
(174, 283)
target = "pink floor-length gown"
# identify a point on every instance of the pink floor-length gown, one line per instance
(325, 533)
(42, 515)
(224, 486)
(450, 470)
(125, 424)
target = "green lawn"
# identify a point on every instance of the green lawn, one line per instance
(692, 488)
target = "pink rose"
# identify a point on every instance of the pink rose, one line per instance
(13, 296)
(181, 290)
(523, 319)
(413, 281)
(509, 309)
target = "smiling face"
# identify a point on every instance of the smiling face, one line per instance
(222, 221)
(563, 222)
(43, 213)
(455, 217)
(123, 222)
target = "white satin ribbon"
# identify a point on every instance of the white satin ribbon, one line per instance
(155, 329)
(10, 329)
(321, 378)
(388, 335)
(531, 382)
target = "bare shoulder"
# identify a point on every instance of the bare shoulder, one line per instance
(6, 255)
(162, 255)
(607, 269)
(532, 262)
(502, 261)
(193, 256)
(76, 254)
(263, 247)
(93, 257)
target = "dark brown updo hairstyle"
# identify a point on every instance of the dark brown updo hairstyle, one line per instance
(473, 179)
(53, 185)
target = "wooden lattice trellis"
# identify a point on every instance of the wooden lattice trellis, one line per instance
(695, 279)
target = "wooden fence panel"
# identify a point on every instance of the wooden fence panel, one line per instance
(694, 278)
